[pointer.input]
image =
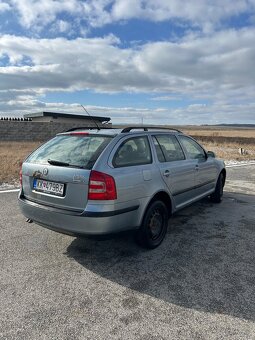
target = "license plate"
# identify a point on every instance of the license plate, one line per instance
(48, 187)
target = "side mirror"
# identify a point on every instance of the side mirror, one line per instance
(211, 154)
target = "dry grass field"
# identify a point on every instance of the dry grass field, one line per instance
(224, 142)
(230, 132)
(11, 155)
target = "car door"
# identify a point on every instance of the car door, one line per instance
(132, 169)
(177, 171)
(205, 169)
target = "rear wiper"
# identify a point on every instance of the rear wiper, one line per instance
(59, 163)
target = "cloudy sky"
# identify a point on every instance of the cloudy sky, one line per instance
(156, 61)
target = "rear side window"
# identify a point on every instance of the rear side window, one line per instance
(168, 148)
(77, 151)
(133, 151)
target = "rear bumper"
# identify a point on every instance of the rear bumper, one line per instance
(77, 223)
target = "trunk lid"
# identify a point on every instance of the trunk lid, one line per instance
(75, 181)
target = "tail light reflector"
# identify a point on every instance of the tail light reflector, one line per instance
(101, 186)
(20, 175)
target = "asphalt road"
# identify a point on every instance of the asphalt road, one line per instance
(199, 284)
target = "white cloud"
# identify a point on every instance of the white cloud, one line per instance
(34, 12)
(197, 66)
(200, 13)
(218, 68)
(192, 114)
(4, 6)
(167, 98)
(215, 66)
(63, 26)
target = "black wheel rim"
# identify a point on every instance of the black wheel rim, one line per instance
(155, 224)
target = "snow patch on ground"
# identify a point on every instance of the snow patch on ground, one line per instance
(9, 186)
(239, 163)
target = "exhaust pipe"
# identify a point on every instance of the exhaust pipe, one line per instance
(29, 220)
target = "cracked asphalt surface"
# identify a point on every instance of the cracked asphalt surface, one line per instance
(199, 284)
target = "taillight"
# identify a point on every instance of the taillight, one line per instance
(101, 186)
(20, 175)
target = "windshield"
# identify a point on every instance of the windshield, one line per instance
(69, 150)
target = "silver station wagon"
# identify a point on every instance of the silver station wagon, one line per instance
(92, 182)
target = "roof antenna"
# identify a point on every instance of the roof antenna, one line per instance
(90, 117)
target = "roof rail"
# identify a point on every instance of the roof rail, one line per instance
(146, 128)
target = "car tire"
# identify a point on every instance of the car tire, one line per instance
(216, 197)
(154, 226)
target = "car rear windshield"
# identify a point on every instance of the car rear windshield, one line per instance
(70, 150)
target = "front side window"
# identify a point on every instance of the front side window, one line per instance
(134, 151)
(168, 148)
(193, 149)
(72, 150)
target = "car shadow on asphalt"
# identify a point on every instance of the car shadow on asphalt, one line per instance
(206, 262)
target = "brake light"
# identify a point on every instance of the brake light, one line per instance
(78, 133)
(101, 186)
(20, 175)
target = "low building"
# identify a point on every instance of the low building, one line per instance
(58, 117)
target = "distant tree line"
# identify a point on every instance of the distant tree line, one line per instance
(20, 119)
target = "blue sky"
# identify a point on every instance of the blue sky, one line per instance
(160, 61)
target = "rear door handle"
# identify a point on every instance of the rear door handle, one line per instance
(166, 173)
